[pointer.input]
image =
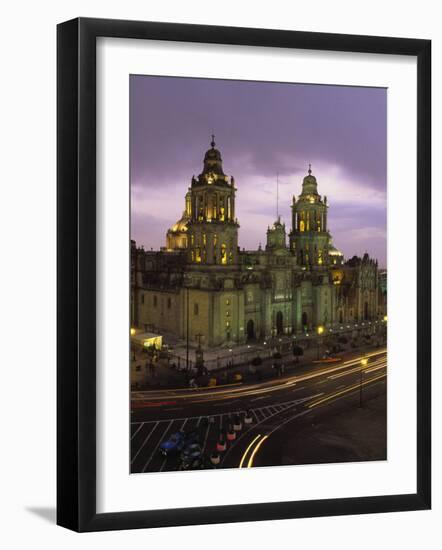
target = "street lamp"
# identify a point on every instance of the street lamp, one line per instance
(364, 363)
(319, 330)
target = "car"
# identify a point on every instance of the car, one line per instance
(197, 463)
(190, 453)
(192, 437)
(178, 441)
(191, 450)
(174, 444)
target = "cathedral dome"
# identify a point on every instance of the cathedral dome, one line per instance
(181, 225)
(176, 237)
(309, 183)
(213, 163)
(212, 155)
(333, 251)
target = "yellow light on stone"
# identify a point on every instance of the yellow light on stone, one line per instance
(132, 331)
(320, 329)
(364, 361)
(385, 318)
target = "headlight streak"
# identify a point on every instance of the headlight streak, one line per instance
(265, 387)
(309, 407)
(374, 366)
(244, 456)
(345, 390)
(250, 463)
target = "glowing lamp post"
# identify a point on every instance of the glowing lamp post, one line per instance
(320, 331)
(364, 363)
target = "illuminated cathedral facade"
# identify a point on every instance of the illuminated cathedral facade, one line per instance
(202, 286)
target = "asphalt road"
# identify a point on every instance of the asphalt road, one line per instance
(311, 415)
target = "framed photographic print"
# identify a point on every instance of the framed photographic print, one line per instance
(243, 240)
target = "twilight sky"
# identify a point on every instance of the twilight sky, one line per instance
(261, 129)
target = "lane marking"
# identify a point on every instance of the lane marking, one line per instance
(163, 464)
(205, 439)
(256, 416)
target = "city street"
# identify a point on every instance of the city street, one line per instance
(321, 412)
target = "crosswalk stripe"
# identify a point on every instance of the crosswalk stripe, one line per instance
(137, 430)
(157, 445)
(144, 442)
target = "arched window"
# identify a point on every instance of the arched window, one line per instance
(250, 330)
(304, 319)
(279, 323)
(366, 311)
(223, 254)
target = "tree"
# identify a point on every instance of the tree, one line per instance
(297, 352)
(254, 364)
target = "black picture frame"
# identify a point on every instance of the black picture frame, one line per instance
(76, 274)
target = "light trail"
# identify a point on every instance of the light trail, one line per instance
(258, 389)
(256, 449)
(381, 362)
(309, 407)
(244, 456)
(346, 390)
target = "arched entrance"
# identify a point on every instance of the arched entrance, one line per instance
(250, 330)
(304, 320)
(365, 311)
(279, 323)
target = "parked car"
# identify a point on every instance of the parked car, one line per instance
(197, 463)
(174, 444)
(178, 441)
(192, 457)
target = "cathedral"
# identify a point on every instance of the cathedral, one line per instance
(202, 286)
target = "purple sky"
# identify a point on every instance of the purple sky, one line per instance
(261, 129)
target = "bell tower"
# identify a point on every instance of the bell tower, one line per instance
(212, 230)
(309, 238)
